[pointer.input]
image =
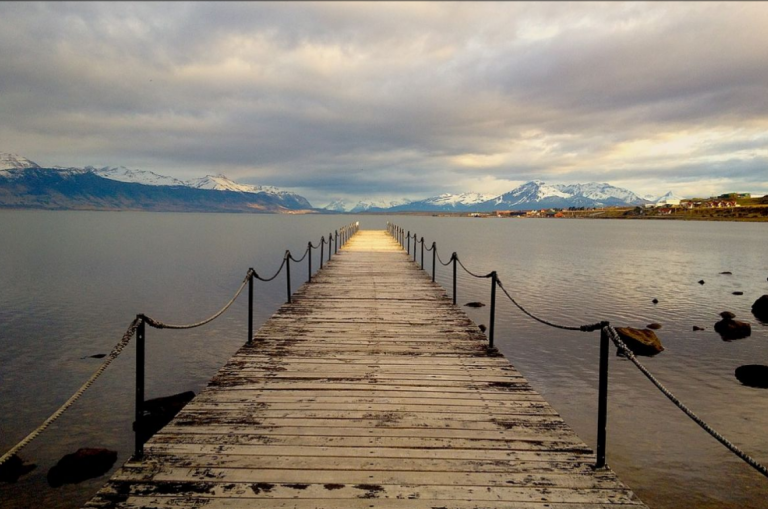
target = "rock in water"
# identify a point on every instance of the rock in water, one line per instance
(655, 301)
(640, 341)
(697, 328)
(159, 411)
(474, 304)
(760, 308)
(81, 465)
(654, 326)
(727, 273)
(13, 468)
(753, 375)
(738, 293)
(701, 281)
(728, 328)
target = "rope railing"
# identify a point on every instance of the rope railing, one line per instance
(116, 350)
(157, 324)
(616, 339)
(137, 328)
(607, 332)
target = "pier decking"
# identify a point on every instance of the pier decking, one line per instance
(370, 390)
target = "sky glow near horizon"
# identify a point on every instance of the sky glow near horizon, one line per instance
(395, 100)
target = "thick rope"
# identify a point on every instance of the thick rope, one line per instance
(157, 324)
(479, 276)
(300, 259)
(279, 270)
(63, 408)
(706, 427)
(441, 260)
(582, 328)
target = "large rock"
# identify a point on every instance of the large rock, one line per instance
(81, 465)
(760, 308)
(13, 468)
(158, 412)
(753, 375)
(728, 328)
(640, 341)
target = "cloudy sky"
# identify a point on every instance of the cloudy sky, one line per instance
(392, 100)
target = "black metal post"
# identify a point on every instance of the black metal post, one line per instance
(322, 250)
(309, 261)
(494, 279)
(330, 235)
(250, 306)
(602, 403)
(409, 242)
(138, 425)
(288, 273)
(454, 258)
(434, 256)
(422, 252)
(336, 243)
(415, 243)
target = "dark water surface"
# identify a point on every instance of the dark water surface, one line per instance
(71, 282)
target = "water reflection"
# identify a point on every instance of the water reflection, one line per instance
(78, 278)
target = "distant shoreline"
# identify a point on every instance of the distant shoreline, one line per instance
(756, 214)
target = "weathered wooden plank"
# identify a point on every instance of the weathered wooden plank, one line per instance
(370, 390)
(180, 449)
(501, 443)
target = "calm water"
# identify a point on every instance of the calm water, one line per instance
(71, 282)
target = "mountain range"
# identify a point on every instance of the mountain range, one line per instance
(531, 195)
(24, 184)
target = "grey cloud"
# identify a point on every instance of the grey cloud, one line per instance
(370, 98)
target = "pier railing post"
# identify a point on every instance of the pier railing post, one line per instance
(422, 252)
(409, 242)
(602, 402)
(309, 261)
(415, 243)
(322, 250)
(454, 258)
(336, 243)
(250, 305)
(330, 236)
(138, 425)
(288, 273)
(494, 280)
(434, 256)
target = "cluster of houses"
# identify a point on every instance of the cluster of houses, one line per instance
(664, 207)
(724, 201)
(529, 213)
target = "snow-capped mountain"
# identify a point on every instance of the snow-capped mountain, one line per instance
(123, 188)
(445, 202)
(368, 205)
(538, 194)
(123, 174)
(222, 183)
(15, 162)
(669, 196)
(604, 193)
(340, 205)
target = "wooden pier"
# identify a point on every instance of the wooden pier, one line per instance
(370, 390)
